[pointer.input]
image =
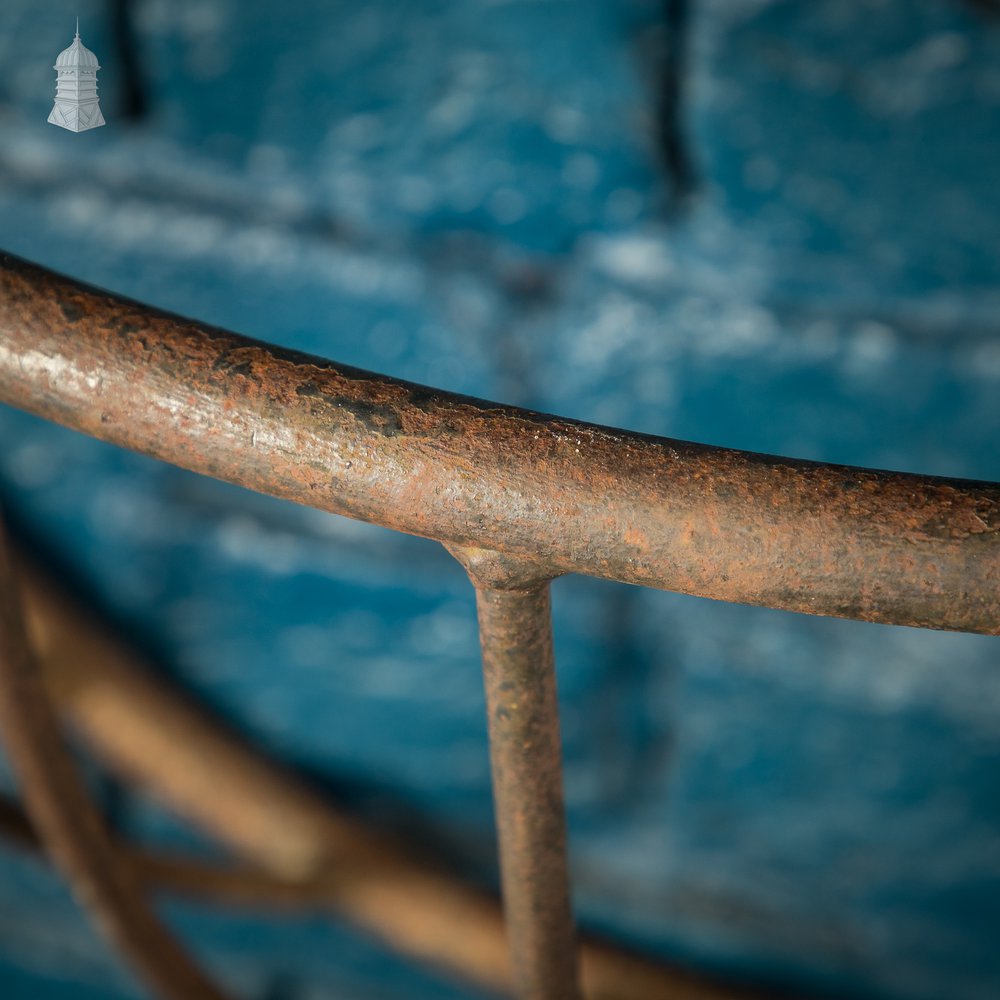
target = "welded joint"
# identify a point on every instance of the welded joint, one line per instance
(492, 570)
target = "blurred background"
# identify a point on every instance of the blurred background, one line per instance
(763, 224)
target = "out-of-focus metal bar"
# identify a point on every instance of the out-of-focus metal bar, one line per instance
(69, 824)
(150, 735)
(737, 526)
(515, 631)
(609, 972)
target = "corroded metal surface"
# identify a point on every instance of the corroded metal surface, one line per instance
(67, 821)
(515, 628)
(732, 525)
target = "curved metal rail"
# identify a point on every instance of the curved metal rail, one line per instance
(518, 497)
(572, 497)
(67, 820)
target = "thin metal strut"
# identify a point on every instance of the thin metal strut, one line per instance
(515, 628)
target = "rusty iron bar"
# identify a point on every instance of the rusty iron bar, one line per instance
(515, 629)
(737, 526)
(519, 675)
(68, 823)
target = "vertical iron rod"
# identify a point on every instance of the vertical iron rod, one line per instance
(515, 627)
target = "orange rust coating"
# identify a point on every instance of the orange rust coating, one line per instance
(576, 497)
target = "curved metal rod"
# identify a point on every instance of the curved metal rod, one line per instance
(576, 497)
(68, 823)
(611, 973)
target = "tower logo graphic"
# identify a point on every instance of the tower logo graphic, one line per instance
(76, 106)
